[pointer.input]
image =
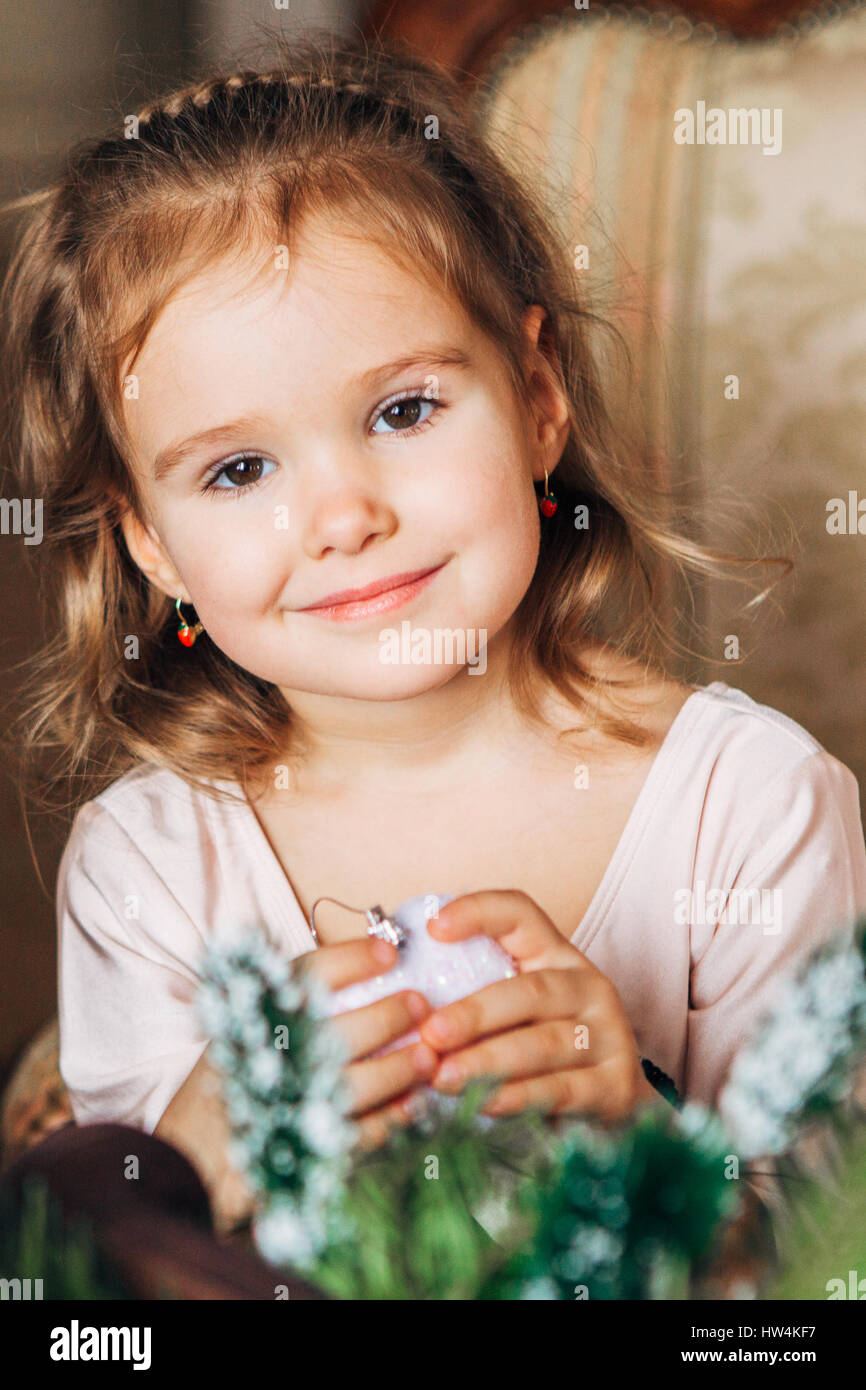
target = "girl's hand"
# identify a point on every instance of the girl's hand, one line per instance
(380, 1087)
(558, 1031)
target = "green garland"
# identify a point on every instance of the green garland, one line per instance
(826, 1240)
(590, 1214)
(454, 1207)
(624, 1216)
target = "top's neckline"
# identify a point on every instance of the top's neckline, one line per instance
(647, 799)
(291, 916)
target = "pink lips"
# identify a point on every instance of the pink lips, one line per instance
(379, 597)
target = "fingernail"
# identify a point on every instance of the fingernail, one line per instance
(448, 1074)
(418, 1006)
(424, 1059)
(384, 951)
(440, 1027)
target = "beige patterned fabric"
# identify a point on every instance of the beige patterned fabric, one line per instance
(35, 1100)
(719, 260)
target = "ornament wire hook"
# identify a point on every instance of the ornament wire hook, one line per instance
(379, 923)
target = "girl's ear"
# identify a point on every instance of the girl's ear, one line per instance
(148, 553)
(546, 394)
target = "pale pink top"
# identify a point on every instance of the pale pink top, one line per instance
(738, 797)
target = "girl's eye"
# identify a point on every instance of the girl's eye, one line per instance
(408, 413)
(243, 474)
(404, 412)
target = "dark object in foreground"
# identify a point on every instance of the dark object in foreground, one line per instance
(154, 1230)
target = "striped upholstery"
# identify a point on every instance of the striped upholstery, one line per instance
(716, 259)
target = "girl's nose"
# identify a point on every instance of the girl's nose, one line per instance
(347, 520)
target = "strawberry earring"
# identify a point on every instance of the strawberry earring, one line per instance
(187, 634)
(548, 502)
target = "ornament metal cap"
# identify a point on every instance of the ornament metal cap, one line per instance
(380, 924)
(386, 928)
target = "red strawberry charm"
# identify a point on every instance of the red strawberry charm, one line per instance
(187, 634)
(549, 504)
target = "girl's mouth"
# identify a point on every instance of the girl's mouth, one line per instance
(382, 602)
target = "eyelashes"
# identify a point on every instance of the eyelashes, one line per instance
(410, 397)
(222, 470)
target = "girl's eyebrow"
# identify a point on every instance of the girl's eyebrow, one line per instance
(174, 455)
(426, 357)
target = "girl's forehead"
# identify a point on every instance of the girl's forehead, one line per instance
(244, 337)
(327, 283)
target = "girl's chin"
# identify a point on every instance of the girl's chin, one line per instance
(399, 684)
(394, 662)
(382, 684)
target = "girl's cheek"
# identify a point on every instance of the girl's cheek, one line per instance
(232, 581)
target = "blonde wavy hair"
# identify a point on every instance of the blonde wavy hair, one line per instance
(340, 125)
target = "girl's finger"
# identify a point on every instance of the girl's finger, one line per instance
(366, 1029)
(514, 919)
(524, 1052)
(346, 962)
(584, 997)
(374, 1127)
(605, 1093)
(376, 1080)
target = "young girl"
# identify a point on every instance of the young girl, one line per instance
(297, 370)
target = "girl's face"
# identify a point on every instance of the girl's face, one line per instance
(303, 432)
